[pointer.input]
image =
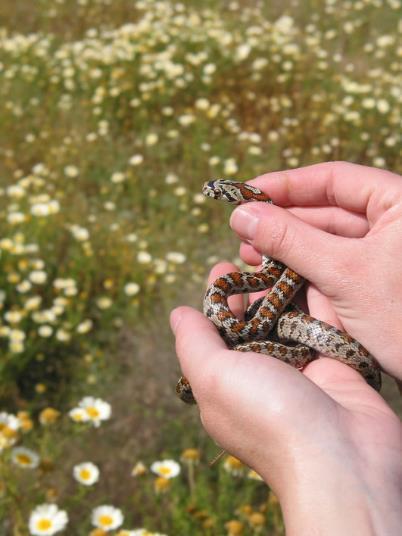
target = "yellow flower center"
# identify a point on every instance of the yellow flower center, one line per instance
(234, 527)
(161, 484)
(97, 532)
(92, 412)
(165, 471)
(49, 416)
(257, 519)
(191, 454)
(26, 424)
(44, 524)
(234, 462)
(105, 520)
(9, 433)
(23, 459)
(85, 474)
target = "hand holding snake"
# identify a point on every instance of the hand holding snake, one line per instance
(274, 325)
(310, 435)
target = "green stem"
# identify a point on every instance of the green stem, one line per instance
(191, 479)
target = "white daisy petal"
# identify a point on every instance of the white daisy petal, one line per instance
(86, 473)
(46, 520)
(26, 458)
(166, 468)
(93, 410)
(107, 517)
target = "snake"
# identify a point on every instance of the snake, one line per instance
(273, 324)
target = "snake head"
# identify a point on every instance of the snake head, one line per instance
(226, 190)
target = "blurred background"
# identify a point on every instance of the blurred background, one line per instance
(112, 114)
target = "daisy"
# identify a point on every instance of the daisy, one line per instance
(90, 409)
(234, 466)
(136, 532)
(46, 520)
(48, 416)
(136, 160)
(86, 473)
(26, 458)
(161, 485)
(131, 289)
(107, 517)
(78, 415)
(190, 456)
(9, 425)
(26, 423)
(166, 468)
(139, 469)
(254, 475)
(234, 527)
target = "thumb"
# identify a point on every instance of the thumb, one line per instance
(276, 232)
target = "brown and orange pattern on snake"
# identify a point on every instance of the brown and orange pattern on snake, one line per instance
(274, 325)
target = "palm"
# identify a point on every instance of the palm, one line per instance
(336, 395)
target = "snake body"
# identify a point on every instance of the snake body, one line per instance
(274, 325)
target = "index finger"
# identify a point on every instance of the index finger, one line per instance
(342, 184)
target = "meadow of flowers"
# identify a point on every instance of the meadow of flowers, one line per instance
(112, 114)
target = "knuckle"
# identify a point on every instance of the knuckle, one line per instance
(339, 164)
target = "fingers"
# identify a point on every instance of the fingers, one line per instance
(236, 303)
(343, 384)
(341, 184)
(319, 306)
(249, 254)
(334, 220)
(233, 387)
(279, 234)
(249, 403)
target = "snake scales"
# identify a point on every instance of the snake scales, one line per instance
(274, 325)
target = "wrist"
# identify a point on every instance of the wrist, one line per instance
(342, 500)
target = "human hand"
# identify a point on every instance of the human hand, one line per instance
(325, 441)
(343, 233)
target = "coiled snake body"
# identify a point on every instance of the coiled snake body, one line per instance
(274, 325)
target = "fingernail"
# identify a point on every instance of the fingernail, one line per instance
(244, 222)
(175, 318)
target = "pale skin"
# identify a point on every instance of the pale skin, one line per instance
(327, 443)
